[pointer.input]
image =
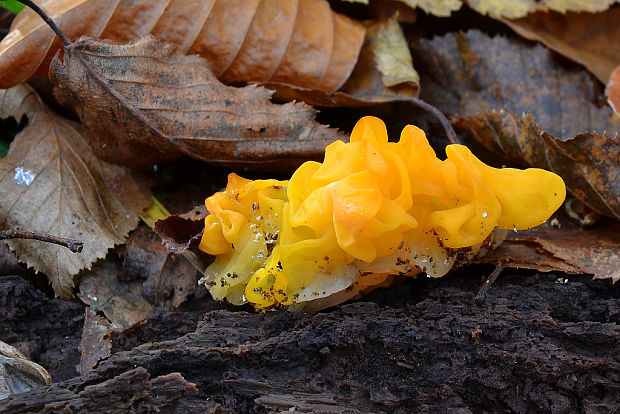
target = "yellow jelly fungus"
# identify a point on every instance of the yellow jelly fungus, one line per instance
(371, 209)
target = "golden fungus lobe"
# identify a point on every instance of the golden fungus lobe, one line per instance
(370, 209)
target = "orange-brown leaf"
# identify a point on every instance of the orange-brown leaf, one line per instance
(384, 73)
(146, 102)
(298, 42)
(613, 91)
(51, 182)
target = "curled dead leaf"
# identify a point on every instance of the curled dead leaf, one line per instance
(562, 245)
(18, 374)
(143, 109)
(588, 163)
(50, 181)
(299, 42)
(179, 232)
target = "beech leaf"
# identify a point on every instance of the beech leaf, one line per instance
(528, 110)
(298, 42)
(51, 182)
(384, 73)
(143, 108)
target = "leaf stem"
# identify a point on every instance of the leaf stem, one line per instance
(447, 126)
(65, 41)
(74, 245)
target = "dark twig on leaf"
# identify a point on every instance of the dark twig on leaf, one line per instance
(482, 293)
(66, 42)
(447, 126)
(74, 245)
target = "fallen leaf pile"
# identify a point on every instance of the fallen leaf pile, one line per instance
(236, 83)
(300, 42)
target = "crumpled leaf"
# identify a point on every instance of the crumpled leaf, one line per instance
(463, 77)
(470, 72)
(148, 280)
(301, 42)
(384, 73)
(507, 8)
(179, 232)
(143, 109)
(18, 374)
(590, 39)
(588, 163)
(167, 280)
(50, 182)
(613, 91)
(123, 303)
(562, 245)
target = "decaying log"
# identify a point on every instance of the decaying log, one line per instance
(538, 343)
(45, 330)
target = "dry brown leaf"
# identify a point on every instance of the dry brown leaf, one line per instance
(471, 72)
(613, 91)
(96, 343)
(562, 245)
(123, 303)
(51, 182)
(590, 39)
(488, 80)
(441, 8)
(298, 42)
(179, 232)
(167, 280)
(384, 73)
(149, 280)
(143, 108)
(512, 9)
(18, 374)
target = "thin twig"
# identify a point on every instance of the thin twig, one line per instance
(74, 245)
(66, 42)
(194, 261)
(447, 126)
(482, 293)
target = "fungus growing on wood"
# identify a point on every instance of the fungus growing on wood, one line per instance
(372, 209)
